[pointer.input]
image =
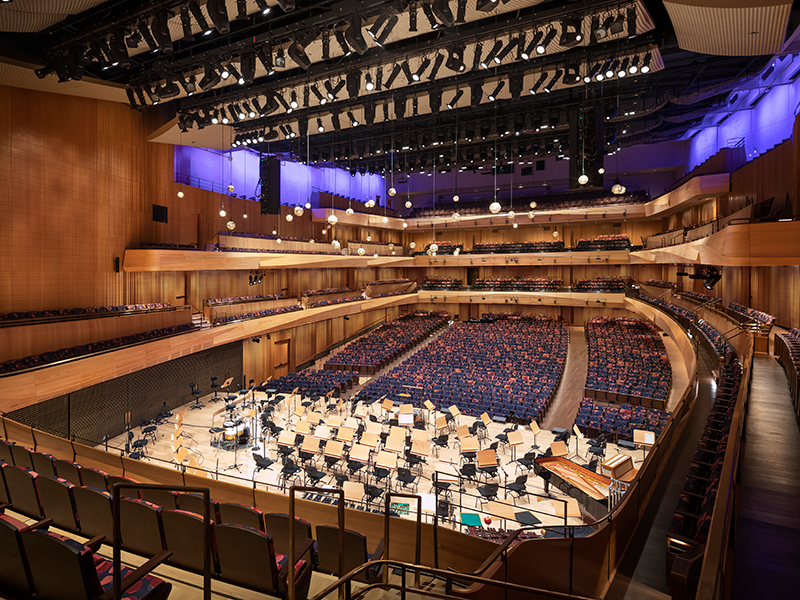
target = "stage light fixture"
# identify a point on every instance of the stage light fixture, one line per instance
(353, 79)
(369, 84)
(531, 48)
(249, 110)
(283, 103)
(384, 35)
(400, 107)
(218, 12)
(417, 75)
(353, 120)
(248, 66)
(612, 69)
(286, 5)
(485, 5)
(342, 42)
(426, 8)
(538, 84)
(515, 85)
(263, 7)
(369, 113)
(485, 62)
(194, 7)
(293, 99)
(118, 50)
(598, 31)
(435, 99)
(441, 8)
(265, 56)
(232, 72)
(320, 126)
(493, 96)
(454, 101)
(337, 125)
(548, 88)
(297, 52)
(571, 28)
(623, 68)
(634, 66)
(320, 98)
(541, 48)
(618, 25)
(437, 63)
(455, 59)
(507, 50)
(354, 36)
(476, 91)
(407, 72)
(210, 77)
(376, 26)
(645, 68)
(144, 31)
(591, 73)
(186, 22)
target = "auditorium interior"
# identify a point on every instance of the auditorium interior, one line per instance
(463, 299)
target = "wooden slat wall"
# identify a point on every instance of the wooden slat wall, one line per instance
(27, 340)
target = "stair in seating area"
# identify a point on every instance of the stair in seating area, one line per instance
(200, 322)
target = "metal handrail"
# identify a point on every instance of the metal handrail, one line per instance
(340, 518)
(120, 485)
(345, 582)
(386, 532)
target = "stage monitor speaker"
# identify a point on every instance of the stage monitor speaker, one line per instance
(270, 173)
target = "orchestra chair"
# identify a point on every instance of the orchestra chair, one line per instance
(355, 553)
(95, 508)
(247, 558)
(61, 568)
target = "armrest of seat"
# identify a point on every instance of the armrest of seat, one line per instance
(95, 543)
(136, 575)
(306, 546)
(40, 524)
(378, 554)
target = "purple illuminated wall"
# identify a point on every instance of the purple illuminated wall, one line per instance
(211, 169)
(765, 125)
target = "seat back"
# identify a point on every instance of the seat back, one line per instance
(247, 558)
(95, 510)
(22, 456)
(166, 499)
(44, 464)
(355, 550)
(14, 573)
(5, 451)
(278, 527)
(183, 534)
(61, 568)
(66, 469)
(94, 478)
(230, 512)
(58, 502)
(4, 497)
(194, 503)
(124, 492)
(22, 492)
(141, 527)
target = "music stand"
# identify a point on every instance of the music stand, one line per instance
(645, 439)
(235, 465)
(536, 431)
(578, 438)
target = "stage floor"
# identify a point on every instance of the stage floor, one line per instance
(230, 462)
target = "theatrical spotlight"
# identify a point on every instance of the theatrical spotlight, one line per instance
(452, 103)
(713, 276)
(455, 59)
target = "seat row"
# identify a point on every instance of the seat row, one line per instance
(385, 344)
(604, 243)
(319, 303)
(509, 368)
(267, 312)
(595, 419)
(701, 298)
(752, 313)
(526, 284)
(322, 292)
(615, 285)
(238, 299)
(71, 312)
(45, 358)
(787, 351)
(718, 344)
(220, 248)
(441, 283)
(517, 247)
(662, 283)
(248, 548)
(310, 382)
(695, 506)
(627, 358)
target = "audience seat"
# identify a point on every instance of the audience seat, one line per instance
(141, 527)
(355, 553)
(183, 536)
(240, 514)
(95, 510)
(22, 491)
(58, 502)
